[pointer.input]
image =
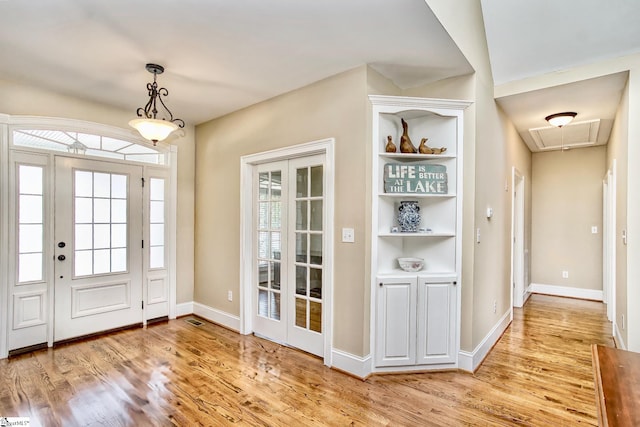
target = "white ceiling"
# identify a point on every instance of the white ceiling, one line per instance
(219, 56)
(528, 38)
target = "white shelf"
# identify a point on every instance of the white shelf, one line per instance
(417, 156)
(447, 276)
(404, 234)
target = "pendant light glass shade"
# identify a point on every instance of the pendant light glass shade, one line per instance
(153, 129)
(560, 119)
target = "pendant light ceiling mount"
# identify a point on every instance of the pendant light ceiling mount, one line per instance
(150, 127)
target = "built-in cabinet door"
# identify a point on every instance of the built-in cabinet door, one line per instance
(436, 331)
(396, 322)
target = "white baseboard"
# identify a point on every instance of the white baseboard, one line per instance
(216, 316)
(618, 338)
(469, 361)
(184, 309)
(355, 365)
(566, 291)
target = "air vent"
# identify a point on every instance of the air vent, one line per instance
(194, 322)
(573, 135)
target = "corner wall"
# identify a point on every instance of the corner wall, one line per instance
(491, 150)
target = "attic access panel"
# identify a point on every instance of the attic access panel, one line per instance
(573, 135)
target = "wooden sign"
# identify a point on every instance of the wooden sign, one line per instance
(419, 179)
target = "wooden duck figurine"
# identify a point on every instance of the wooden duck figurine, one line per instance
(406, 146)
(390, 147)
(425, 149)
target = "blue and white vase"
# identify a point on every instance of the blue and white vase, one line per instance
(409, 216)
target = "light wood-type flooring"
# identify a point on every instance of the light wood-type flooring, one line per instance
(174, 373)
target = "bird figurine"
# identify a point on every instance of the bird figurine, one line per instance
(390, 147)
(425, 149)
(406, 146)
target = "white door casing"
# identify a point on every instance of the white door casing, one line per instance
(518, 287)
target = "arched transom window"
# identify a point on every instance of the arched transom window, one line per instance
(88, 144)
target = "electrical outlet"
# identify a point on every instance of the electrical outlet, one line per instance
(594, 229)
(565, 274)
(495, 306)
(230, 295)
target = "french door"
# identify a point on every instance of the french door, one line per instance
(289, 239)
(98, 246)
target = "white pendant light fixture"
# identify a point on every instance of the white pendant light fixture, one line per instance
(150, 127)
(561, 119)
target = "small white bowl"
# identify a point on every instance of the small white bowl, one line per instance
(411, 264)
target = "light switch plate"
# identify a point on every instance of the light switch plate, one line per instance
(348, 235)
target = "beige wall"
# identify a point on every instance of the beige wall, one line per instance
(633, 213)
(491, 149)
(19, 99)
(336, 107)
(617, 151)
(567, 202)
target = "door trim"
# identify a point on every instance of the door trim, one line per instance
(517, 231)
(247, 164)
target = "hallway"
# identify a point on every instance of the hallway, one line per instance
(176, 373)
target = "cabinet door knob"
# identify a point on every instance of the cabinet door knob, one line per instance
(455, 283)
(380, 284)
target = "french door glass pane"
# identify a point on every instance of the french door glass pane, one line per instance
(276, 185)
(302, 182)
(315, 316)
(301, 312)
(301, 215)
(30, 209)
(301, 247)
(269, 236)
(29, 267)
(102, 211)
(316, 215)
(157, 225)
(100, 223)
(308, 258)
(30, 179)
(30, 239)
(316, 181)
(301, 280)
(84, 210)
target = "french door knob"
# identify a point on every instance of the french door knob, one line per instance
(61, 244)
(61, 257)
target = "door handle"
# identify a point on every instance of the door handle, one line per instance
(61, 244)
(61, 257)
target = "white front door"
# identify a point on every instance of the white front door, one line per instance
(288, 261)
(98, 247)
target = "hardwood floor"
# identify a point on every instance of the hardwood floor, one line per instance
(175, 373)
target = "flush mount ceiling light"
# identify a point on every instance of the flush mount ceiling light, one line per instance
(149, 126)
(560, 119)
